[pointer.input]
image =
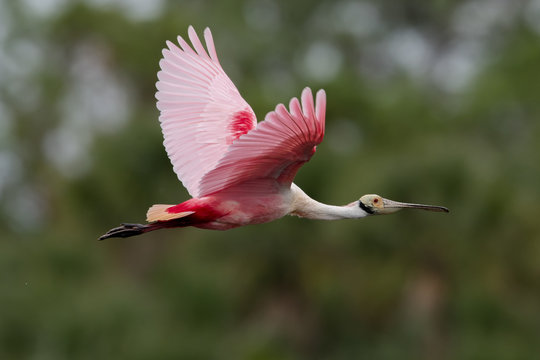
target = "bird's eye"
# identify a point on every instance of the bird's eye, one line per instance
(376, 201)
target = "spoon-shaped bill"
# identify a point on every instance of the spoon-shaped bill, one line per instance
(390, 205)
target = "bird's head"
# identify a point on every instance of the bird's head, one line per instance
(377, 205)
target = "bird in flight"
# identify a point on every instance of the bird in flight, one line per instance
(238, 172)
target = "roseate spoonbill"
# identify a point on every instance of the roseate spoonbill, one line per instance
(237, 171)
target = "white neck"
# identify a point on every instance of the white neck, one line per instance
(306, 207)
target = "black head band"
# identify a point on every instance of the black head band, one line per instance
(365, 208)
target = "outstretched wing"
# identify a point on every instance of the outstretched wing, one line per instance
(275, 149)
(202, 113)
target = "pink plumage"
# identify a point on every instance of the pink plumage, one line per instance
(198, 103)
(237, 171)
(209, 129)
(275, 149)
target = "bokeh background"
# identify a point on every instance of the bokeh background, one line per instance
(434, 102)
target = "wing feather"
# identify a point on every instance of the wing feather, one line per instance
(201, 111)
(275, 149)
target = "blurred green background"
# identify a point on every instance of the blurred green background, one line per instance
(434, 102)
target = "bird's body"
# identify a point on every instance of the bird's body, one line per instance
(245, 204)
(237, 171)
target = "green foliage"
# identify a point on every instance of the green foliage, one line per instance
(408, 286)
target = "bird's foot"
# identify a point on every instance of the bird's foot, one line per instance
(125, 230)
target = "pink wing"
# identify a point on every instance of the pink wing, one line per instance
(202, 112)
(275, 149)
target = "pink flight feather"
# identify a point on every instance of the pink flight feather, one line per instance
(198, 102)
(275, 149)
(211, 134)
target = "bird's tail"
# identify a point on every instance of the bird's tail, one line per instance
(162, 212)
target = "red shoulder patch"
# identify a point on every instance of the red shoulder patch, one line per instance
(242, 123)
